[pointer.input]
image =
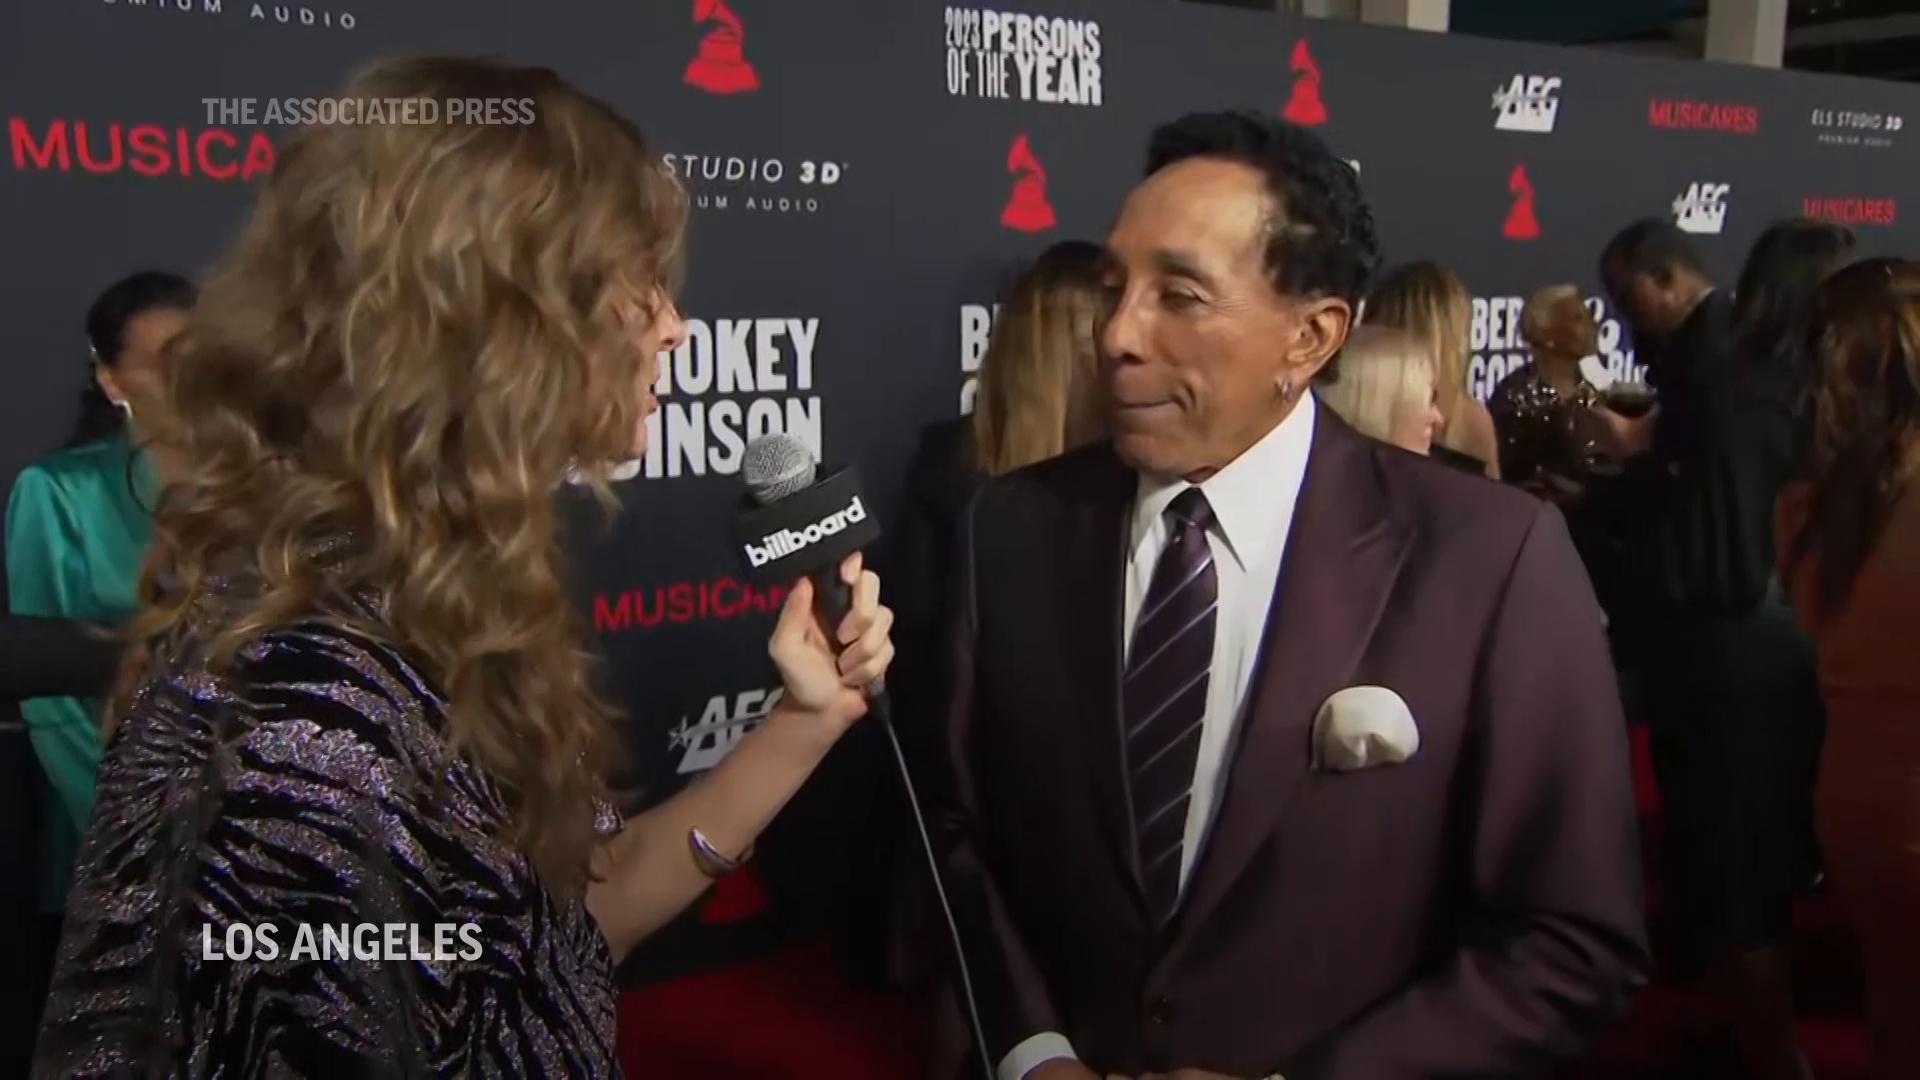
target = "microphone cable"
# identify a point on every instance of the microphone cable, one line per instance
(880, 708)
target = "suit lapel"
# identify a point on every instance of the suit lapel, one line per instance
(1344, 550)
(1092, 556)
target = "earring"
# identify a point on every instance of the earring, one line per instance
(125, 407)
(1286, 387)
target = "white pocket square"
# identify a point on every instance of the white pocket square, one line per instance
(1361, 727)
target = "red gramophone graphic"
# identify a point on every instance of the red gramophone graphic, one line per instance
(1521, 222)
(1027, 208)
(1305, 107)
(720, 67)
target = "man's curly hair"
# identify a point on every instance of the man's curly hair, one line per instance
(1320, 239)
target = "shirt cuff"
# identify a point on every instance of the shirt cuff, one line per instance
(1033, 1053)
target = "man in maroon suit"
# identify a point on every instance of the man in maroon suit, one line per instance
(1277, 750)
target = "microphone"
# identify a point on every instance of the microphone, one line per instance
(796, 522)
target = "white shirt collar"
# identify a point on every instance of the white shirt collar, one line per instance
(1252, 497)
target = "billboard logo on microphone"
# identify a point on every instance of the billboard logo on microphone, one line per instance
(785, 542)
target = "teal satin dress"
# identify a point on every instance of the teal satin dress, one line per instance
(78, 525)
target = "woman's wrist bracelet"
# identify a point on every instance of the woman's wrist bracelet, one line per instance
(709, 859)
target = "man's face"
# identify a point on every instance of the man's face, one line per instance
(1648, 306)
(1197, 342)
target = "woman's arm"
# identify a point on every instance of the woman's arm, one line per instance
(646, 875)
(647, 871)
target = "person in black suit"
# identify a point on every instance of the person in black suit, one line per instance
(1729, 684)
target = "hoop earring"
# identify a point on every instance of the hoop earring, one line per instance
(125, 407)
(1286, 388)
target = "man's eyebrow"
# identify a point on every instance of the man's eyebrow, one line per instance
(1181, 264)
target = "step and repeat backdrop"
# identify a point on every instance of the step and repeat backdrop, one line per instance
(864, 177)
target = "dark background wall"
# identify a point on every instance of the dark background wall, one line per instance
(852, 211)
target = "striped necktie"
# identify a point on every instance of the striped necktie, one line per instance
(1164, 695)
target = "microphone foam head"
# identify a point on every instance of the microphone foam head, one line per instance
(776, 466)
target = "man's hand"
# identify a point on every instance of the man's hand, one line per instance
(1625, 436)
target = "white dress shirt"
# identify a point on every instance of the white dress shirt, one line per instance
(1253, 500)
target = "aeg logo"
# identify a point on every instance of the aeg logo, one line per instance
(1529, 103)
(1703, 209)
(726, 719)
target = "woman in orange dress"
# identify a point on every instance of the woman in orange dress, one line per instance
(1849, 536)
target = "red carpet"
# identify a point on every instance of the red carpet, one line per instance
(1673, 1032)
(787, 1017)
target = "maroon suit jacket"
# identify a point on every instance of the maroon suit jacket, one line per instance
(1474, 911)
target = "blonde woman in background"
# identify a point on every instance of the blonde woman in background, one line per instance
(1037, 383)
(1430, 302)
(1037, 398)
(1384, 383)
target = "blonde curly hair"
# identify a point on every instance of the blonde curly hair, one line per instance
(420, 329)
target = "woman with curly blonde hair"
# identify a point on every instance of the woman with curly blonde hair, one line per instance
(360, 695)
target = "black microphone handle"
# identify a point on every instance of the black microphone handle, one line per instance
(832, 599)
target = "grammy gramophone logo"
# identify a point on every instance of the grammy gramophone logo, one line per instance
(721, 65)
(1523, 223)
(1027, 208)
(1305, 107)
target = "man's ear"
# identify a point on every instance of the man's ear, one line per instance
(1319, 330)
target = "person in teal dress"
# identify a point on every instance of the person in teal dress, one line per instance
(77, 528)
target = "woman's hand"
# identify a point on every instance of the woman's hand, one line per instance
(647, 876)
(824, 680)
